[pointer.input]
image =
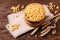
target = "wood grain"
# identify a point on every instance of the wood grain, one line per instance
(5, 6)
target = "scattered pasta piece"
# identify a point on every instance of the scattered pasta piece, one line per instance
(54, 32)
(22, 6)
(50, 5)
(14, 27)
(36, 36)
(15, 9)
(56, 11)
(54, 5)
(57, 7)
